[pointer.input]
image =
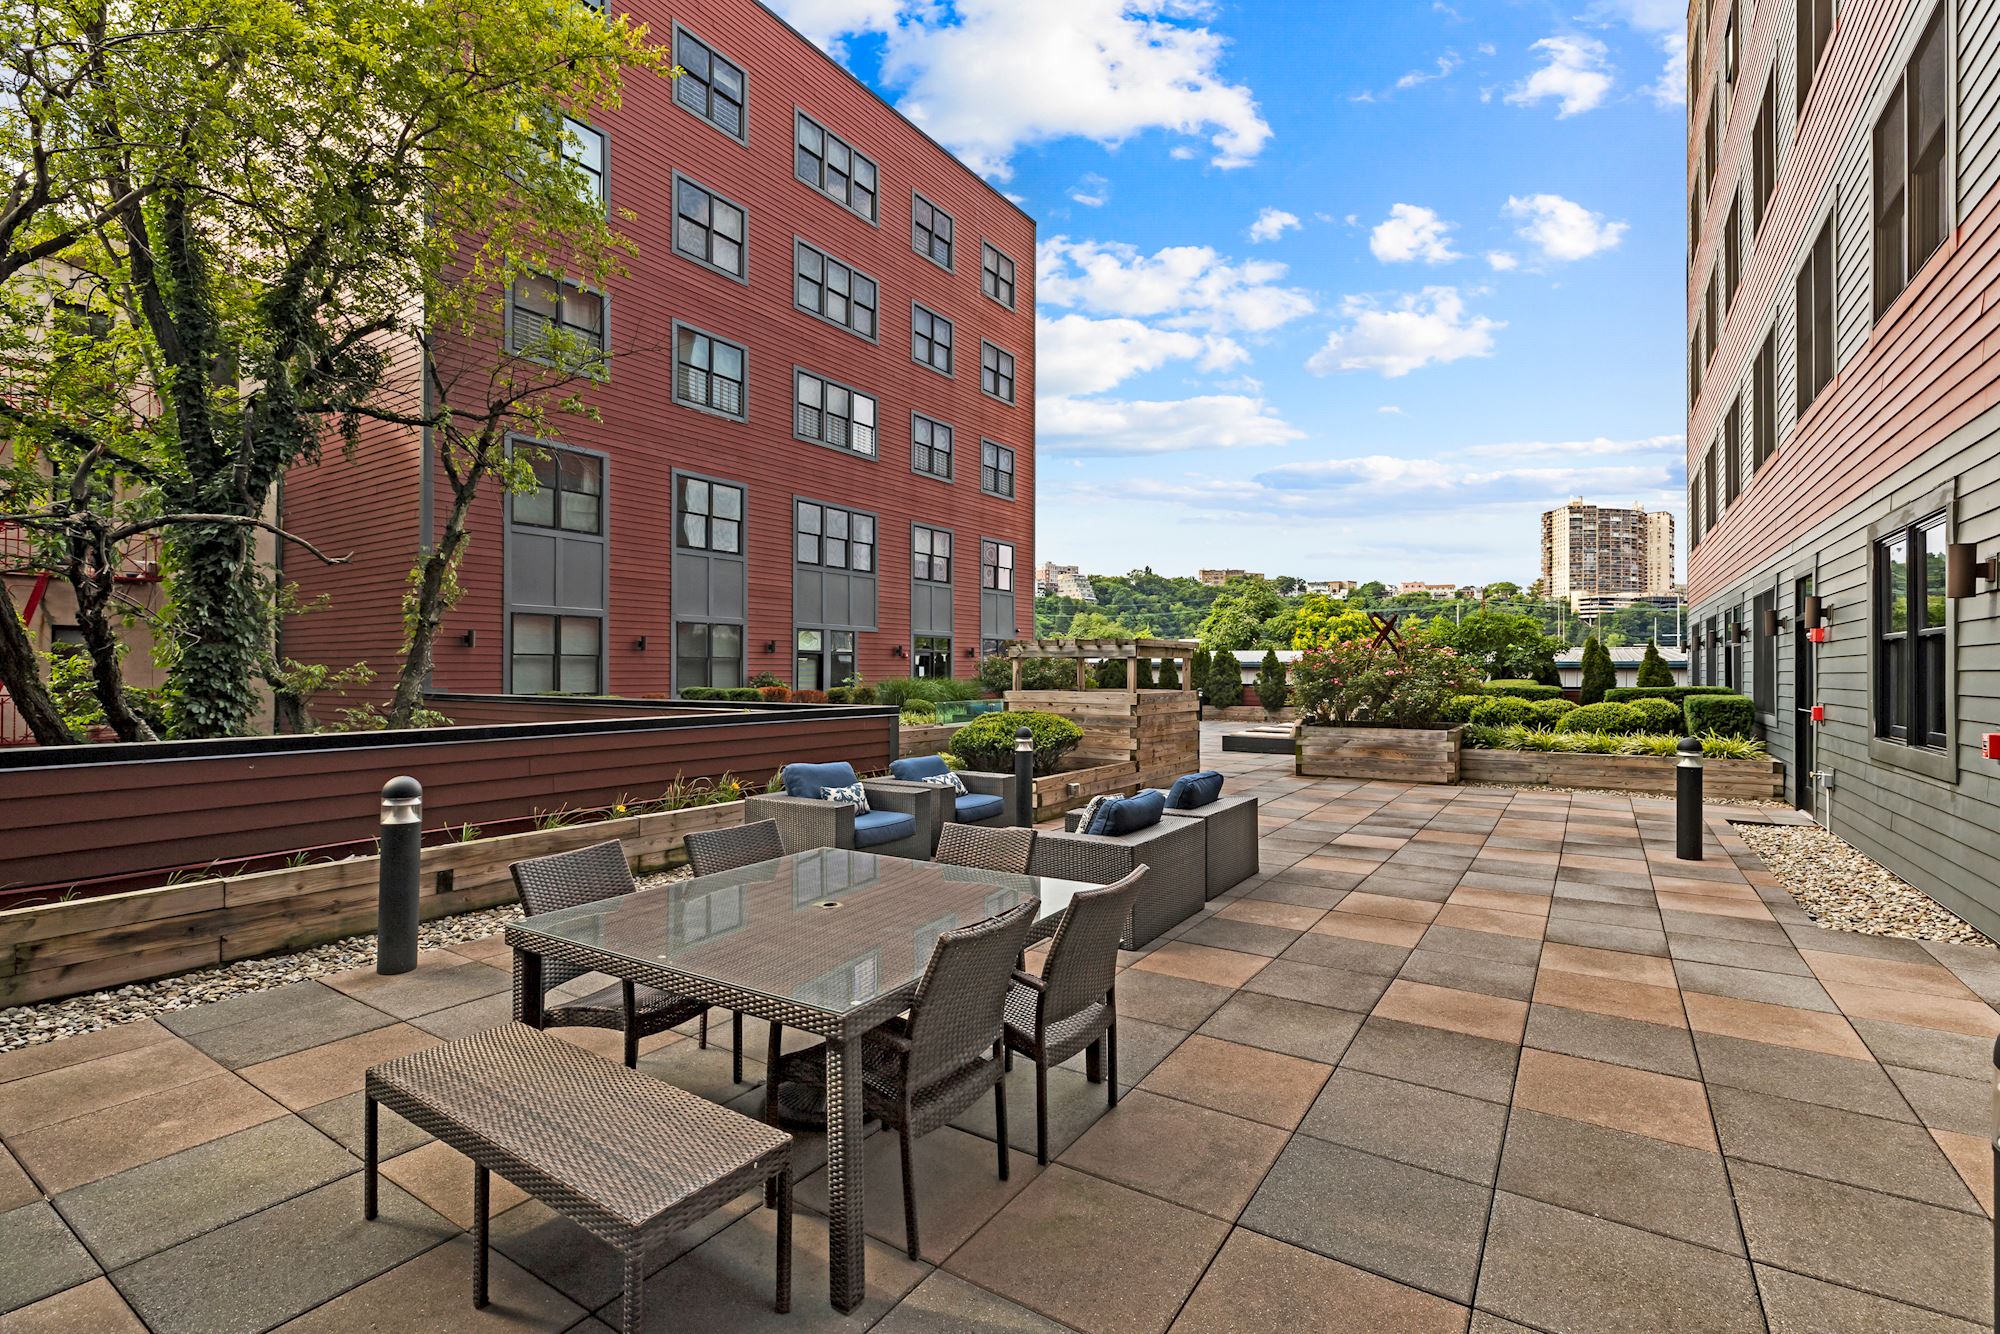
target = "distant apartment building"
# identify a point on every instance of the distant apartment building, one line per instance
(1844, 417)
(1217, 578)
(1604, 552)
(1063, 581)
(1330, 588)
(817, 460)
(1408, 586)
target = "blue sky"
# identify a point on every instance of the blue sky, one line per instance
(1340, 290)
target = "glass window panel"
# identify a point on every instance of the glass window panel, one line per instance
(728, 503)
(1896, 586)
(694, 530)
(808, 521)
(579, 635)
(836, 523)
(534, 634)
(726, 535)
(729, 361)
(579, 675)
(533, 676)
(864, 410)
(864, 528)
(728, 221)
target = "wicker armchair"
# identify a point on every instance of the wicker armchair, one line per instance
(990, 799)
(1231, 825)
(986, 849)
(713, 851)
(1174, 850)
(926, 1067)
(1072, 1006)
(587, 875)
(807, 820)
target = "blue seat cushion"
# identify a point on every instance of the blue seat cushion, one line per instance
(976, 807)
(918, 767)
(1195, 790)
(812, 780)
(1128, 815)
(882, 827)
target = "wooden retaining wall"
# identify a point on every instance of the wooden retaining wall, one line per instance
(1722, 780)
(63, 948)
(1393, 754)
(1131, 739)
(926, 740)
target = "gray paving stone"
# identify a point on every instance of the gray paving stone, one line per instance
(1831, 1081)
(340, 1121)
(1630, 916)
(1249, 937)
(1959, 1055)
(1608, 1037)
(1470, 972)
(1739, 954)
(1482, 945)
(41, 1256)
(1340, 988)
(945, 1304)
(1801, 993)
(1435, 1057)
(1795, 1304)
(1361, 956)
(1417, 1227)
(1964, 1105)
(1315, 1032)
(1171, 1002)
(1679, 923)
(132, 1214)
(1141, 1046)
(584, 1269)
(1425, 1127)
(474, 1016)
(1631, 1179)
(1598, 936)
(1825, 941)
(1890, 1156)
(265, 1025)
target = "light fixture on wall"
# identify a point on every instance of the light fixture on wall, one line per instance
(770, 646)
(897, 651)
(640, 643)
(1814, 613)
(470, 638)
(1738, 632)
(1774, 624)
(972, 653)
(1964, 570)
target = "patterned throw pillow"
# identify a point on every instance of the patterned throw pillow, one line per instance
(1089, 813)
(858, 794)
(947, 779)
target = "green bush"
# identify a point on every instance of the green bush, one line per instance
(1500, 711)
(1612, 719)
(1598, 673)
(1199, 668)
(1457, 711)
(1656, 715)
(1224, 682)
(1677, 694)
(1170, 674)
(919, 713)
(1142, 675)
(1549, 712)
(1273, 689)
(743, 694)
(986, 743)
(1108, 674)
(1521, 690)
(1606, 743)
(1653, 669)
(1722, 715)
(900, 690)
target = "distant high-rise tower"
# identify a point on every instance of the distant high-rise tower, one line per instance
(1600, 552)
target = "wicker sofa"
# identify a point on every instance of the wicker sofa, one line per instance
(1174, 851)
(1231, 842)
(990, 799)
(902, 819)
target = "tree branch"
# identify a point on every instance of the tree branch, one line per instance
(236, 520)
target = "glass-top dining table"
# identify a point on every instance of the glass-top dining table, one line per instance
(828, 941)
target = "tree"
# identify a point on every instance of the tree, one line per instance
(1238, 616)
(1598, 673)
(1170, 674)
(1143, 674)
(1506, 646)
(1093, 624)
(1321, 621)
(1198, 668)
(1224, 681)
(1653, 669)
(1272, 686)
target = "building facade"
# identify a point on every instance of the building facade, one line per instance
(1844, 423)
(814, 453)
(1217, 578)
(1063, 581)
(1601, 552)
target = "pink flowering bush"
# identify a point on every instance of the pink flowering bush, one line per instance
(1356, 681)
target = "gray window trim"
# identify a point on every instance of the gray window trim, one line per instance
(1012, 546)
(673, 214)
(915, 524)
(1899, 63)
(949, 323)
(915, 195)
(604, 137)
(950, 476)
(741, 557)
(1939, 765)
(674, 360)
(713, 50)
(1014, 379)
(843, 450)
(1826, 215)
(601, 373)
(800, 113)
(875, 572)
(825, 254)
(742, 554)
(507, 607)
(984, 441)
(984, 246)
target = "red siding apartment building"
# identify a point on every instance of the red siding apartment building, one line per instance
(817, 459)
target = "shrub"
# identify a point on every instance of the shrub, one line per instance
(1653, 669)
(919, 712)
(1522, 689)
(987, 742)
(1549, 712)
(1500, 711)
(1108, 675)
(809, 697)
(1170, 674)
(1677, 694)
(1598, 673)
(741, 694)
(1273, 689)
(1605, 743)
(1356, 680)
(1614, 719)
(1457, 711)
(1143, 674)
(762, 679)
(1198, 669)
(900, 690)
(1224, 681)
(1721, 715)
(774, 694)
(840, 695)
(996, 674)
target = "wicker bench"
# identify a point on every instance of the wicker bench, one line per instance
(624, 1156)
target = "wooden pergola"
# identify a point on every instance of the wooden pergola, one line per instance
(1087, 651)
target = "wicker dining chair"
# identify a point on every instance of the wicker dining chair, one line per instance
(713, 851)
(1071, 1006)
(985, 848)
(590, 875)
(924, 1068)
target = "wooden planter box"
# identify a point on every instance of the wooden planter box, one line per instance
(925, 740)
(1722, 780)
(1393, 754)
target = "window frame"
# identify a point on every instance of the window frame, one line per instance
(601, 537)
(682, 326)
(1764, 158)
(603, 173)
(819, 562)
(1732, 453)
(682, 178)
(1732, 250)
(827, 382)
(950, 262)
(919, 654)
(602, 370)
(1806, 293)
(742, 521)
(949, 475)
(1899, 97)
(714, 53)
(996, 545)
(1764, 404)
(1011, 472)
(799, 247)
(950, 369)
(556, 525)
(930, 557)
(1938, 761)
(1013, 372)
(1810, 56)
(818, 187)
(1764, 657)
(987, 248)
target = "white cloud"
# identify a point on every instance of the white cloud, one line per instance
(1185, 287)
(1093, 191)
(827, 21)
(1272, 223)
(1563, 229)
(1412, 233)
(1665, 22)
(1417, 330)
(1111, 426)
(1575, 72)
(1391, 410)
(1446, 64)
(1075, 354)
(1502, 261)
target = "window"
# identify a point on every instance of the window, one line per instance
(1730, 44)
(824, 658)
(931, 656)
(1764, 653)
(830, 166)
(996, 275)
(1764, 404)
(568, 494)
(836, 292)
(1694, 225)
(1910, 178)
(709, 229)
(1910, 701)
(709, 86)
(835, 539)
(1711, 140)
(930, 447)
(584, 146)
(711, 516)
(708, 373)
(1815, 30)
(1711, 313)
(1732, 648)
(1732, 453)
(1694, 362)
(1764, 156)
(996, 469)
(835, 415)
(930, 339)
(1813, 308)
(930, 231)
(1709, 508)
(557, 653)
(546, 315)
(1732, 250)
(708, 654)
(996, 372)
(930, 554)
(996, 566)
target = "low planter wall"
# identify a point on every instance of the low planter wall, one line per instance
(1722, 780)
(925, 740)
(85, 944)
(1394, 754)
(1249, 713)
(1065, 791)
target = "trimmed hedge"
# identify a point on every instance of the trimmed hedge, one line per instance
(1621, 719)
(986, 744)
(1672, 694)
(1724, 715)
(742, 694)
(1521, 690)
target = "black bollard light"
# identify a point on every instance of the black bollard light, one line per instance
(1996, 1176)
(1024, 776)
(1687, 800)
(402, 843)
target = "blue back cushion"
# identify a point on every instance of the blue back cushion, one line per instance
(1128, 815)
(810, 780)
(1191, 791)
(919, 766)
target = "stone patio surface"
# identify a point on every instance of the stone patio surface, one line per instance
(1460, 1058)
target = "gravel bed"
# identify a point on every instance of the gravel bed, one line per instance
(1843, 890)
(72, 1016)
